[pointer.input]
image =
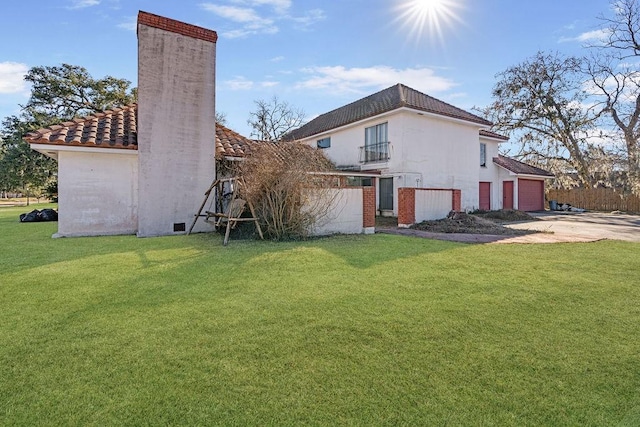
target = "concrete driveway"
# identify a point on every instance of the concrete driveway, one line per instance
(578, 227)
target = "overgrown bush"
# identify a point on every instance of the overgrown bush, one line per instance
(286, 184)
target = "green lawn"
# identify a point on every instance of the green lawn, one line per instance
(364, 330)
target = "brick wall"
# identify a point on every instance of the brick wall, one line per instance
(456, 200)
(368, 207)
(177, 27)
(406, 206)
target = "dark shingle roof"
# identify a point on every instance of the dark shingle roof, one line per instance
(490, 134)
(520, 168)
(389, 99)
(115, 128)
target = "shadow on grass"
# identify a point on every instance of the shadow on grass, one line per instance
(27, 246)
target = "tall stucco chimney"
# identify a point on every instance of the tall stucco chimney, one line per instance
(176, 123)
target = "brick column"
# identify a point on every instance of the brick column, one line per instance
(369, 210)
(406, 207)
(456, 200)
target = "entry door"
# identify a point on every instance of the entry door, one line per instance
(386, 194)
(507, 195)
(485, 196)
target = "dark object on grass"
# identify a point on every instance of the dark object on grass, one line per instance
(48, 215)
(39, 216)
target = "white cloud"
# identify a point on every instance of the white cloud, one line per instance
(252, 23)
(239, 83)
(277, 59)
(129, 24)
(80, 4)
(236, 14)
(588, 37)
(12, 77)
(280, 6)
(358, 80)
(253, 17)
(308, 19)
(269, 84)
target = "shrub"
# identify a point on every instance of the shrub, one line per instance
(286, 184)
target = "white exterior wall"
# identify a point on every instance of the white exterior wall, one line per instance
(491, 172)
(98, 192)
(432, 204)
(426, 151)
(345, 214)
(176, 129)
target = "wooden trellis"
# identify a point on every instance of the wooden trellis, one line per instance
(229, 213)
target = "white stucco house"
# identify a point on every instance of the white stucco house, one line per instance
(143, 168)
(400, 137)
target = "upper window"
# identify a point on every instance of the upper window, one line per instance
(483, 154)
(376, 144)
(324, 142)
(375, 135)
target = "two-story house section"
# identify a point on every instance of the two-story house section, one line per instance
(405, 138)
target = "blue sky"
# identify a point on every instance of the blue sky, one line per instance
(316, 55)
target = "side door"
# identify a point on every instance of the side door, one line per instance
(386, 194)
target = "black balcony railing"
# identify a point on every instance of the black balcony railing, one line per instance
(375, 153)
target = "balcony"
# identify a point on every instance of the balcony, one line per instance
(375, 153)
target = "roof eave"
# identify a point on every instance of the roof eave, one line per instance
(390, 112)
(49, 149)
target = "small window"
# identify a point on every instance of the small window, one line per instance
(324, 142)
(359, 181)
(483, 154)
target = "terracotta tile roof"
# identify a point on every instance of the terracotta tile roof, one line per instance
(115, 128)
(231, 144)
(389, 99)
(490, 134)
(118, 128)
(520, 168)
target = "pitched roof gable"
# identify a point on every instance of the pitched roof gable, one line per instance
(392, 98)
(520, 168)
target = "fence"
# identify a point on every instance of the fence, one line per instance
(350, 210)
(596, 199)
(420, 204)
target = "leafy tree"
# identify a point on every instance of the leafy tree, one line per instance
(272, 119)
(22, 169)
(58, 93)
(542, 102)
(67, 91)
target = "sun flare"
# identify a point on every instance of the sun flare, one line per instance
(429, 18)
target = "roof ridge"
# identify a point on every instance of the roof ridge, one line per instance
(403, 96)
(389, 99)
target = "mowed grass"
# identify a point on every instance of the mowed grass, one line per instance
(360, 330)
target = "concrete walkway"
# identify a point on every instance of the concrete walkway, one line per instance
(556, 227)
(586, 225)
